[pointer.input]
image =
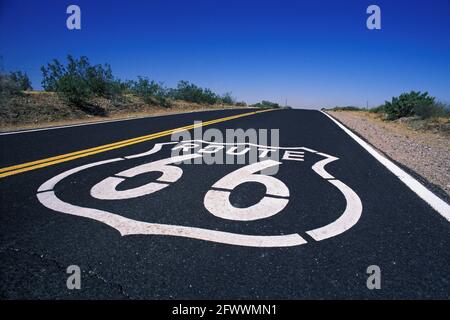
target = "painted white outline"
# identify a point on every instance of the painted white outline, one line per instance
(126, 226)
(429, 197)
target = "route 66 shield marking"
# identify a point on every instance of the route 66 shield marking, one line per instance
(216, 200)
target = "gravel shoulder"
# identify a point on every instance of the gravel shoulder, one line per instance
(425, 153)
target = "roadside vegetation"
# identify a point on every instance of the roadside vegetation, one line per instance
(77, 81)
(417, 109)
(346, 108)
(13, 84)
(75, 87)
(266, 105)
(413, 104)
(269, 105)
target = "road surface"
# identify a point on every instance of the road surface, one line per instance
(114, 200)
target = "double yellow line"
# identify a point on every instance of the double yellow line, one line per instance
(33, 165)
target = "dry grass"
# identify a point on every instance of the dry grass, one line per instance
(37, 109)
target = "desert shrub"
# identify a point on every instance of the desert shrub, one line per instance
(78, 80)
(74, 89)
(8, 87)
(434, 110)
(379, 109)
(228, 99)
(70, 82)
(13, 84)
(21, 80)
(346, 108)
(266, 104)
(102, 82)
(51, 75)
(126, 86)
(241, 104)
(209, 97)
(150, 91)
(192, 93)
(446, 109)
(405, 104)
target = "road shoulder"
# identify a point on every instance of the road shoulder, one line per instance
(422, 154)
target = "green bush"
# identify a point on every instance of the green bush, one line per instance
(74, 89)
(150, 91)
(21, 80)
(78, 80)
(347, 108)
(446, 109)
(266, 104)
(406, 103)
(126, 86)
(8, 88)
(434, 110)
(51, 75)
(71, 81)
(13, 84)
(192, 93)
(379, 109)
(101, 81)
(228, 99)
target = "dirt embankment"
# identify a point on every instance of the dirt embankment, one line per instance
(42, 109)
(426, 152)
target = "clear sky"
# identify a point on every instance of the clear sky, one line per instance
(312, 53)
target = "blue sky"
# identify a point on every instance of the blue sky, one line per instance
(312, 53)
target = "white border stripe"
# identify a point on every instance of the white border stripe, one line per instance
(434, 201)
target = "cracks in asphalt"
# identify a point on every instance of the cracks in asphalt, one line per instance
(90, 272)
(101, 278)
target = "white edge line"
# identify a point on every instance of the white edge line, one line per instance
(433, 200)
(108, 121)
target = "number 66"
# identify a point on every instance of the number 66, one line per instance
(216, 201)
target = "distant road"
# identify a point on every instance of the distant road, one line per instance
(113, 199)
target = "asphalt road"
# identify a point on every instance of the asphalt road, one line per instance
(214, 231)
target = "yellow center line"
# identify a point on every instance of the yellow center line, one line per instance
(28, 166)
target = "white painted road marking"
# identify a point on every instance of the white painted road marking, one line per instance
(217, 201)
(107, 188)
(128, 226)
(347, 220)
(171, 173)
